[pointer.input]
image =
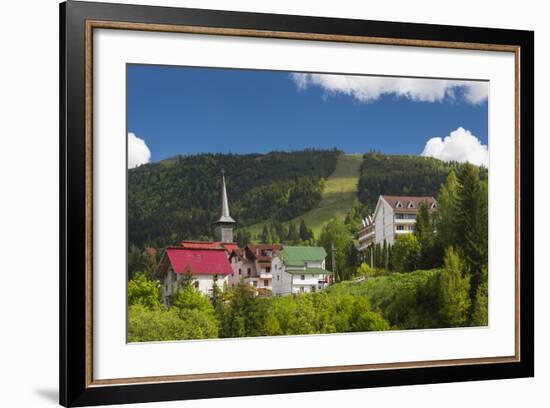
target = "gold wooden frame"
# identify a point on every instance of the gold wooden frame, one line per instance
(98, 24)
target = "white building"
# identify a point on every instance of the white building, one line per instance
(205, 267)
(300, 269)
(393, 216)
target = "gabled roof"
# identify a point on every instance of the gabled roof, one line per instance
(409, 204)
(257, 251)
(200, 261)
(299, 254)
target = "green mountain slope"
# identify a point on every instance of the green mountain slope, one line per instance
(338, 196)
(179, 198)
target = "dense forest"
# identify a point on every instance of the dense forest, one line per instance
(179, 198)
(402, 175)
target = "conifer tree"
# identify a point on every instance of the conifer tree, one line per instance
(454, 289)
(385, 255)
(266, 235)
(446, 218)
(472, 227)
(424, 234)
(293, 236)
(306, 234)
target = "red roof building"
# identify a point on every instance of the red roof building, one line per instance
(198, 261)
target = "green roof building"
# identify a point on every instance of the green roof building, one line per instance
(301, 269)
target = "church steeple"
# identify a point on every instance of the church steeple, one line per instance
(224, 225)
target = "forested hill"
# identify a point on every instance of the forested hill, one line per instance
(179, 198)
(402, 175)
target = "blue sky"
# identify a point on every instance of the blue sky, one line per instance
(183, 110)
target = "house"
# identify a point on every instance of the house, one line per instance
(393, 216)
(205, 261)
(254, 265)
(300, 269)
(206, 268)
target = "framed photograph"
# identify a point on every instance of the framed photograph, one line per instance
(258, 204)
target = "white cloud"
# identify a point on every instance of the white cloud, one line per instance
(138, 152)
(369, 88)
(461, 146)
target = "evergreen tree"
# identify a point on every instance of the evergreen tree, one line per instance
(472, 227)
(135, 264)
(390, 257)
(377, 256)
(293, 237)
(424, 232)
(480, 316)
(454, 289)
(273, 232)
(266, 235)
(385, 255)
(243, 237)
(446, 216)
(281, 231)
(352, 260)
(149, 265)
(306, 234)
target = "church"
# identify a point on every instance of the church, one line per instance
(206, 262)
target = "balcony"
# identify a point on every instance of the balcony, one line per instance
(266, 275)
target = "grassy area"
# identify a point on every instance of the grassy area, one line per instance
(338, 195)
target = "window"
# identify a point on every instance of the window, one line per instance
(277, 277)
(268, 269)
(255, 283)
(398, 205)
(399, 216)
(248, 271)
(400, 228)
(302, 277)
(410, 205)
(240, 272)
(313, 288)
(266, 282)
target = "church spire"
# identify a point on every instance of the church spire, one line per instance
(225, 217)
(224, 225)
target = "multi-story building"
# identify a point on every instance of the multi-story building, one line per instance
(393, 216)
(254, 265)
(300, 269)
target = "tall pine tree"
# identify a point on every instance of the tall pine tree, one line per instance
(472, 226)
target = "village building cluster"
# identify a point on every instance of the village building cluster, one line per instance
(271, 269)
(276, 269)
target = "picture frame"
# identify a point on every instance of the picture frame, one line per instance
(78, 20)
